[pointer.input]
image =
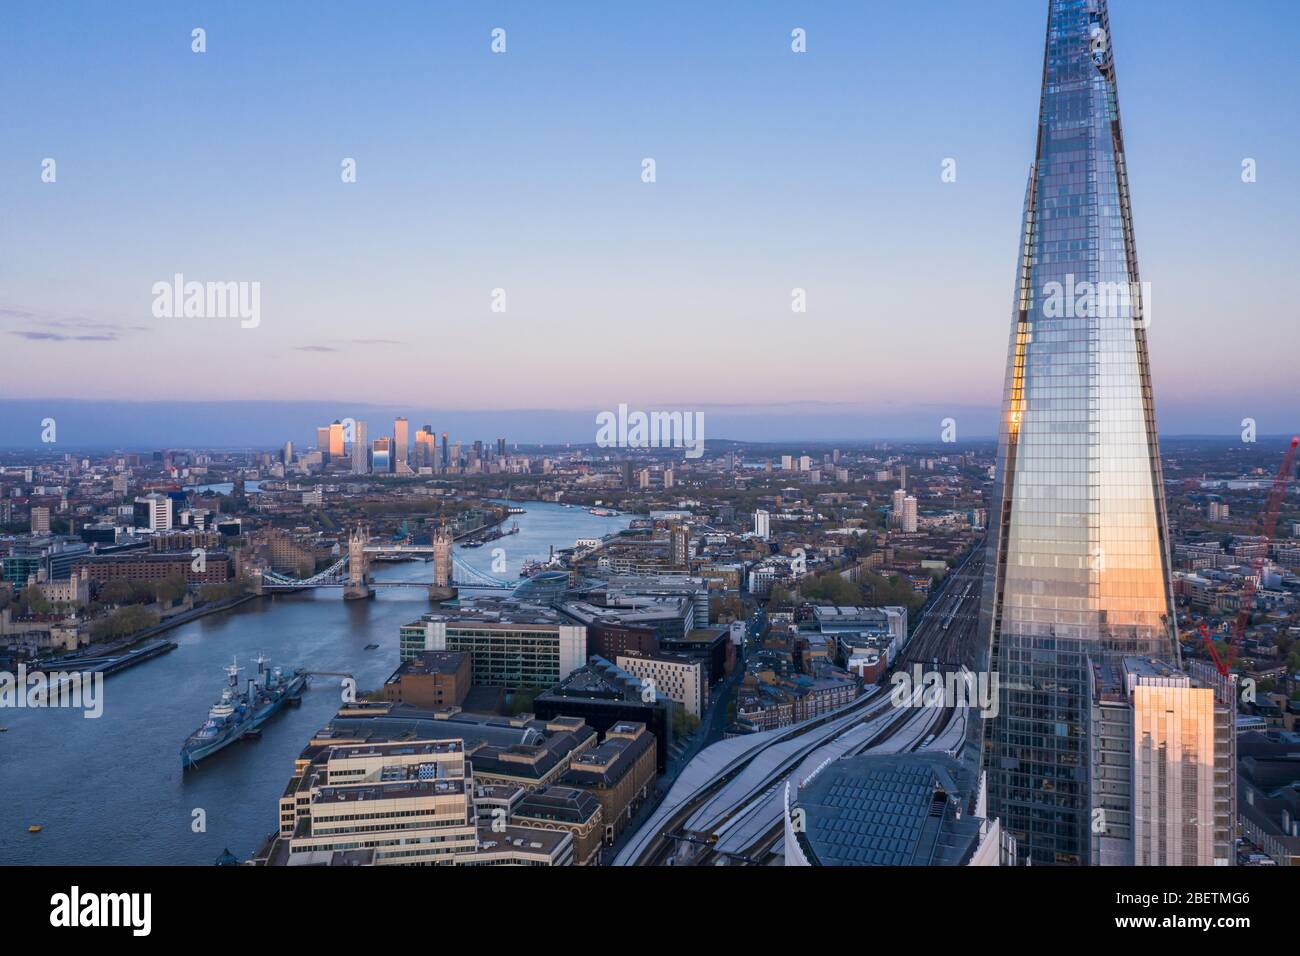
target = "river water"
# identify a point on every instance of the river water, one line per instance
(110, 791)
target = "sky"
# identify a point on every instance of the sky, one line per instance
(522, 171)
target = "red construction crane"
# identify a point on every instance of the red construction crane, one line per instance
(1268, 521)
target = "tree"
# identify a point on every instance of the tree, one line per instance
(225, 590)
(123, 622)
(891, 590)
(170, 589)
(117, 592)
(832, 588)
(34, 600)
(732, 604)
(521, 702)
(684, 723)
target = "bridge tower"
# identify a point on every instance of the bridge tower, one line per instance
(442, 589)
(358, 587)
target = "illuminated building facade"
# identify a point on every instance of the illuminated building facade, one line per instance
(1078, 559)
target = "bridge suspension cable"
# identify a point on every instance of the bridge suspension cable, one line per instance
(473, 575)
(321, 577)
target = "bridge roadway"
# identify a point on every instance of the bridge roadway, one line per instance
(335, 576)
(727, 805)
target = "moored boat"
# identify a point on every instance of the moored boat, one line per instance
(242, 713)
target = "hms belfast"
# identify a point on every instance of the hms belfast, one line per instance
(241, 714)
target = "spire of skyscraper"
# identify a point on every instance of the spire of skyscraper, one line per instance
(1078, 560)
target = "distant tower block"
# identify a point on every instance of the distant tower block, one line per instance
(442, 589)
(358, 587)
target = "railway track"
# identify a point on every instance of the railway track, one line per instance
(729, 808)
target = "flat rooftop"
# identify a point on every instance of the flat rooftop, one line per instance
(498, 611)
(520, 838)
(430, 662)
(398, 749)
(398, 790)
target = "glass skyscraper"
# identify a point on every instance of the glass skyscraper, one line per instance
(1078, 561)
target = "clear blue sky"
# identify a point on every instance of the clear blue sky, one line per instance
(522, 171)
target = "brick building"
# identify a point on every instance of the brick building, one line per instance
(430, 680)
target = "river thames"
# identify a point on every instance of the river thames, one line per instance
(110, 791)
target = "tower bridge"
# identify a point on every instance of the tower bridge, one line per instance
(351, 573)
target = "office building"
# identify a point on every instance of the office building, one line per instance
(152, 566)
(430, 679)
(1077, 551)
(381, 456)
(336, 436)
(40, 523)
(708, 645)
(619, 772)
(603, 695)
(413, 798)
(1162, 765)
(1269, 796)
(399, 803)
(517, 751)
(609, 637)
(511, 645)
(152, 512)
(863, 640)
(566, 809)
(360, 449)
(762, 525)
(681, 679)
(426, 449)
(401, 447)
(665, 616)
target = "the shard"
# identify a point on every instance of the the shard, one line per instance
(1078, 555)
